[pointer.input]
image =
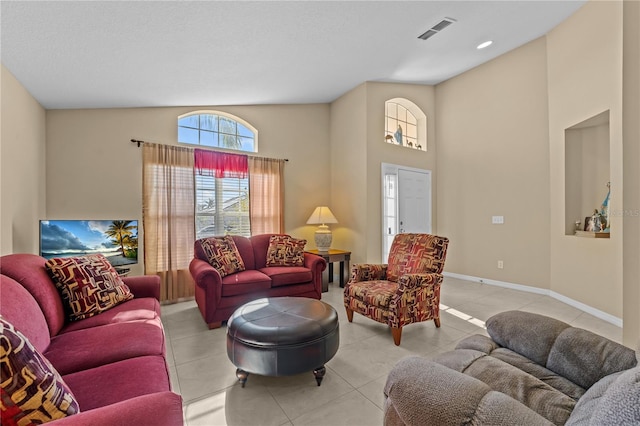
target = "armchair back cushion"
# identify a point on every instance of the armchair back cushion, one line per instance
(416, 253)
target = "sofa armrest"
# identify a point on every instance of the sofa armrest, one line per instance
(368, 272)
(316, 264)
(144, 286)
(204, 274)
(158, 409)
(422, 392)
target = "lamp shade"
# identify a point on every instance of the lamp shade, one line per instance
(321, 215)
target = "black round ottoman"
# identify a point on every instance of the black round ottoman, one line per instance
(282, 336)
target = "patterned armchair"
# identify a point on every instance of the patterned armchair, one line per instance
(403, 291)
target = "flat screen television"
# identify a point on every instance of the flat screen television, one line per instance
(117, 240)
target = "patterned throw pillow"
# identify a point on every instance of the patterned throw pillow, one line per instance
(223, 254)
(89, 284)
(285, 251)
(32, 392)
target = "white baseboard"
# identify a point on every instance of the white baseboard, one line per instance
(564, 299)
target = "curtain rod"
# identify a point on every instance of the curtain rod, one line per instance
(139, 142)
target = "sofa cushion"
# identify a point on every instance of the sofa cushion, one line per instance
(30, 272)
(245, 282)
(554, 380)
(287, 275)
(119, 381)
(620, 405)
(222, 254)
(19, 308)
(532, 392)
(88, 284)
(585, 357)
(143, 309)
(285, 250)
(590, 401)
(526, 333)
(32, 390)
(96, 346)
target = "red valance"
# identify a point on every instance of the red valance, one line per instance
(221, 164)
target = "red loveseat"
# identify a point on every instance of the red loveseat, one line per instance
(113, 363)
(218, 297)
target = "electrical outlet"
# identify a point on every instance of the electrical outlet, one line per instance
(497, 220)
(500, 264)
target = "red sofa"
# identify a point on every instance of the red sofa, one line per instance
(218, 298)
(114, 363)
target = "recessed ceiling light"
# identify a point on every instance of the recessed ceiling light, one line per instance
(485, 44)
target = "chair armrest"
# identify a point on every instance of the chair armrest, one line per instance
(423, 392)
(204, 274)
(158, 409)
(144, 286)
(368, 272)
(413, 281)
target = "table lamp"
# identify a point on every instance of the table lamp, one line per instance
(322, 215)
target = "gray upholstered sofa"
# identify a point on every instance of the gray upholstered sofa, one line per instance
(534, 370)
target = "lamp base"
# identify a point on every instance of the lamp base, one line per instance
(323, 238)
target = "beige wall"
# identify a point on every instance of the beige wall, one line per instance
(631, 172)
(22, 159)
(357, 153)
(347, 175)
(585, 78)
(493, 159)
(378, 151)
(95, 172)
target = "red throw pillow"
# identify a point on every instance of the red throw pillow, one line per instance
(223, 254)
(285, 251)
(32, 392)
(89, 284)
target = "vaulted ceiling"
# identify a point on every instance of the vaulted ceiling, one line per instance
(100, 54)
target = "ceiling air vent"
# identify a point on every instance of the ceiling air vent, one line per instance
(437, 28)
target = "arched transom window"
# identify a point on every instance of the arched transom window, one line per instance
(216, 130)
(405, 124)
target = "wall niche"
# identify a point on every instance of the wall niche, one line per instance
(587, 171)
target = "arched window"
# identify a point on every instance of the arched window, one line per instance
(405, 124)
(217, 130)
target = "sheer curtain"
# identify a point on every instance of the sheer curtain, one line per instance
(266, 195)
(168, 217)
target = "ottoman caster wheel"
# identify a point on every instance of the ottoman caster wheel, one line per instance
(319, 373)
(242, 376)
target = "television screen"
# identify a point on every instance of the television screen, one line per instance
(117, 240)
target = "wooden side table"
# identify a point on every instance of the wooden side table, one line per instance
(333, 256)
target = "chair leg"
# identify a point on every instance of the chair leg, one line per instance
(215, 325)
(397, 334)
(349, 314)
(437, 321)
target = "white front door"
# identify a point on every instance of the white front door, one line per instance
(406, 203)
(414, 201)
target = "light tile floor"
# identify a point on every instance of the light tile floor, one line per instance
(351, 392)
